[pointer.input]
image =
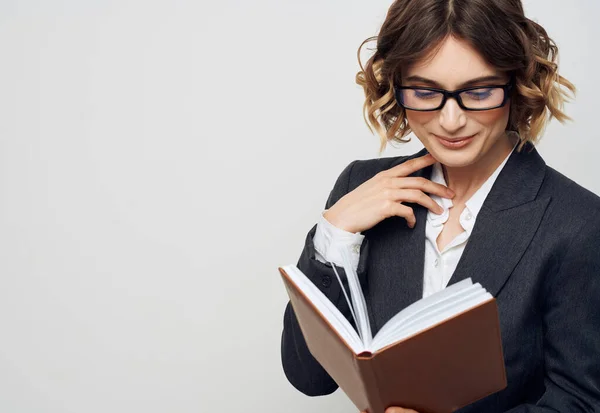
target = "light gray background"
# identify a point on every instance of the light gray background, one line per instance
(159, 160)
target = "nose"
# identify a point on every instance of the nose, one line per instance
(452, 118)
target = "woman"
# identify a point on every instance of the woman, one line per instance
(476, 81)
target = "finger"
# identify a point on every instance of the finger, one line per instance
(412, 165)
(424, 185)
(399, 410)
(399, 210)
(416, 197)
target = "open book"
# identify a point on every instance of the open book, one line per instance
(435, 356)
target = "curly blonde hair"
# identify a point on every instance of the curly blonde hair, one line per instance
(415, 29)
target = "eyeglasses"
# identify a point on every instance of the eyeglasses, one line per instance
(426, 99)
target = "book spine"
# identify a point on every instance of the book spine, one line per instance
(368, 377)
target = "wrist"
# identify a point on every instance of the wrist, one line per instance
(336, 222)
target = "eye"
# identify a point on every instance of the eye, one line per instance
(425, 94)
(479, 94)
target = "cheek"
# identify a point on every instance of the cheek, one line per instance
(417, 119)
(496, 119)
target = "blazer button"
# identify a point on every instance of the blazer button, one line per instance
(326, 281)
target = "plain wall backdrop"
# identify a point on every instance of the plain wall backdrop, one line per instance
(160, 159)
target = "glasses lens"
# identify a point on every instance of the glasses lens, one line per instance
(420, 99)
(483, 98)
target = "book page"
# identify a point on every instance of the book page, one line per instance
(327, 309)
(358, 298)
(420, 306)
(348, 301)
(428, 311)
(436, 315)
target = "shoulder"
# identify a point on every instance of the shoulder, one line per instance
(570, 197)
(573, 213)
(573, 227)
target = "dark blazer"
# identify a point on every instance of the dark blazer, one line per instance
(535, 247)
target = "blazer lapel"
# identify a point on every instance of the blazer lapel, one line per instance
(506, 224)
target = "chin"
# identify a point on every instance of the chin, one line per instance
(455, 161)
(455, 158)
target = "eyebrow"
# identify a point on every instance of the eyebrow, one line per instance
(468, 83)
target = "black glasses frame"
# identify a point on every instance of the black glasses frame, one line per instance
(453, 94)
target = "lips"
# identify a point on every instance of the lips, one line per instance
(462, 138)
(455, 143)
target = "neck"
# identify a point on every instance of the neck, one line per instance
(465, 181)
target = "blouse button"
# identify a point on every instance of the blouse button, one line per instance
(436, 263)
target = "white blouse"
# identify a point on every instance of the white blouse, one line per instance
(439, 265)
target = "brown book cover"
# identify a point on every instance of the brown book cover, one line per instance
(439, 370)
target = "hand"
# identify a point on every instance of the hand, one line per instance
(382, 196)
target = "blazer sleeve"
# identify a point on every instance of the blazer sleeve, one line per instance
(301, 369)
(572, 329)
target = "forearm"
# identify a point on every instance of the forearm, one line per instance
(302, 370)
(300, 367)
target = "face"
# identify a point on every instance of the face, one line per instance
(453, 67)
